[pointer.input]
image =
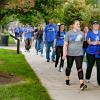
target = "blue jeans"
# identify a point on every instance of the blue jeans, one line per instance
(39, 45)
(48, 46)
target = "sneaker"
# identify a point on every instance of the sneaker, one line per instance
(53, 60)
(55, 66)
(87, 81)
(48, 60)
(41, 55)
(83, 87)
(36, 53)
(25, 50)
(39, 50)
(28, 51)
(60, 69)
(67, 82)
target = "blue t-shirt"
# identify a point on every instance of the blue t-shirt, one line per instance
(92, 49)
(28, 33)
(17, 31)
(50, 32)
(22, 30)
(60, 40)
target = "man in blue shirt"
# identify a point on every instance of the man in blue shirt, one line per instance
(93, 39)
(50, 32)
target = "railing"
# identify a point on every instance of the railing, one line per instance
(18, 43)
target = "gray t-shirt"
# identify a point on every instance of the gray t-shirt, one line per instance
(75, 43)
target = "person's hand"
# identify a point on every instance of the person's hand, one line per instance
(98, 42)
(95, 43)
(64, 57)
(55, 46)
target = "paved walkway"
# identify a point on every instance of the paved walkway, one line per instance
(54, 80)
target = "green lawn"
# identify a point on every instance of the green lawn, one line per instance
(30, 88)
(84, 59)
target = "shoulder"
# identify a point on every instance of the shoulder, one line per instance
(46, 25)
(54, 25)
(81, 32)
(65, 32)
(69, 32)
(90, 32)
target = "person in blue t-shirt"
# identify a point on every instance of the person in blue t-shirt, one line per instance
(59, 46)
(17, 32)
(93, 39)
(50, 32)
(28, 37)
(28, 33)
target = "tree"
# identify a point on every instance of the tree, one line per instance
(92, 1)
(86, 12)
(39, 8)
(47, 8)
(73, 10)
(15, 6)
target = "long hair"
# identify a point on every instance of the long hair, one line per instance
(40, 28)
(59, 31)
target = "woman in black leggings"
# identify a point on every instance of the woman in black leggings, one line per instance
(59, 46)
(73, 48)
(93, 39)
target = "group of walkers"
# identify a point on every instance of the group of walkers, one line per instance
(72, 45)
(26, 32)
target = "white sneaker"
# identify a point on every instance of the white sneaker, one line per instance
(61, 69)
(88, 81)
(36, 53)
(41, 55)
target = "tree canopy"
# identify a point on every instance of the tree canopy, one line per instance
(35, 11)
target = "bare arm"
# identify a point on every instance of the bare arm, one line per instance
(92, 42)
(65, 50)
(98, 42)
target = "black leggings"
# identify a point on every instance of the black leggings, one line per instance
(98, 70)
(78, 61)
(91, 61)
(59, 53)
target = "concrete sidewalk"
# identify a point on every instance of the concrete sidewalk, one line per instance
(54, 80)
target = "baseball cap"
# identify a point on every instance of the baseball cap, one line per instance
(95, 22)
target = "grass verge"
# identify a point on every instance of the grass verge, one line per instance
(30, 88)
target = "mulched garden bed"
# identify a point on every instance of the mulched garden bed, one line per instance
(6, 78)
